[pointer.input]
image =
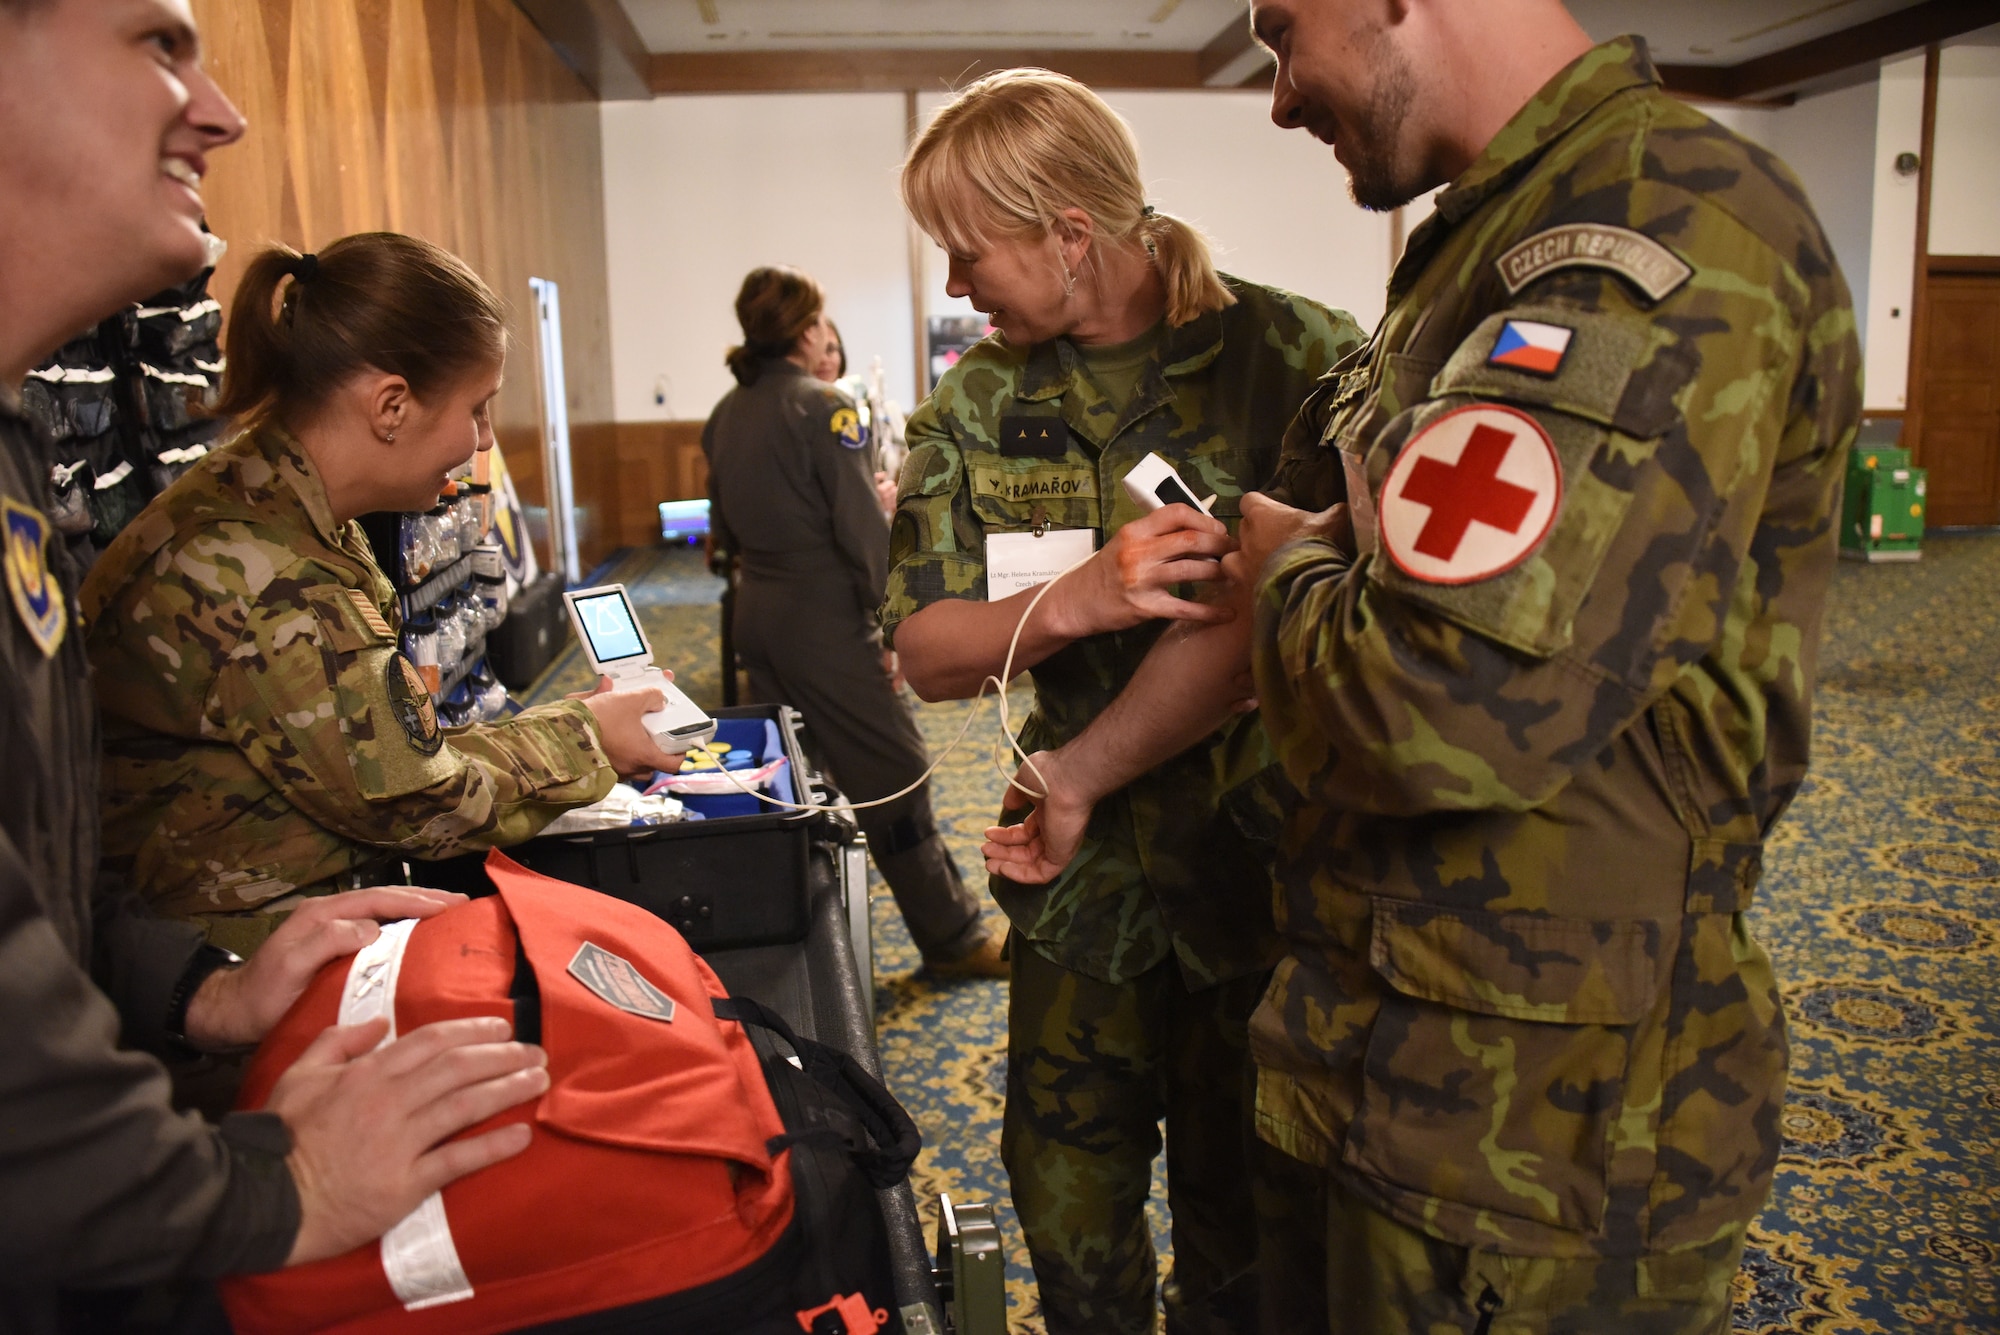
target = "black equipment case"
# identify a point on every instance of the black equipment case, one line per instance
(535, 631)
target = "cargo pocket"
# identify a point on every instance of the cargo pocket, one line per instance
(1496, 1068)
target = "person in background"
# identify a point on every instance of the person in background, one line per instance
(109, 120)
(831, 364)
(1135, 972)
(266, 738)
(1537, 647)
(792, 496)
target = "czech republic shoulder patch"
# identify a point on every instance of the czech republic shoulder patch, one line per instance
(38, 600)
(411, 702)
(1470, 495)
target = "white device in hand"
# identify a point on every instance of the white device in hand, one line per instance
(1153, 483)
(617, 648)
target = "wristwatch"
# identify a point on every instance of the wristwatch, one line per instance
(207, 959)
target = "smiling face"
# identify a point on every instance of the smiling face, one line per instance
(108, 119)
(1344, 76)
(1017, 284)
(435, 437)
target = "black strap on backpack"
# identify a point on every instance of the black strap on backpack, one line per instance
(877, 1134)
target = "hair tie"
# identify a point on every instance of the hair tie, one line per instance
(305, 268)
(1148, 211)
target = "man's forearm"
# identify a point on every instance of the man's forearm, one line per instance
(1187, 687)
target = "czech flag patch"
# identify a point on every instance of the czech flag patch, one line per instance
(1529, 345)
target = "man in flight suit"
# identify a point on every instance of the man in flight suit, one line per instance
(108, 117)
(1541, 667)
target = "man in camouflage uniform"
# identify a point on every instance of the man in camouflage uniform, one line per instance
(1133, 974)
(263, 733)
(1545, 686)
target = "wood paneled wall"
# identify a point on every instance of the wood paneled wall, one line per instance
(452, 120)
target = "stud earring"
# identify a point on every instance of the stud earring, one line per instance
(390, 437)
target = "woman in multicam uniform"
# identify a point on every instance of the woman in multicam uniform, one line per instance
(1135, 972)
(264, 735)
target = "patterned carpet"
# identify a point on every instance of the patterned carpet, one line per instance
(1881, 906)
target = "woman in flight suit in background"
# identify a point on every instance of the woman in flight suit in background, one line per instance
(791, 485)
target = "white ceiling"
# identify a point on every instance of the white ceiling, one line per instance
(825, 25)
(1694, 32)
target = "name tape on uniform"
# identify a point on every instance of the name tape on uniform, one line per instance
(1633, 256)
(1017, 561)
(1470, 495)
(1042, 484)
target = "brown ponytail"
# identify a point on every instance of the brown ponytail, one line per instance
(302, 325)
(775, 305)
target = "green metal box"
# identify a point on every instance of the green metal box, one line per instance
(1882, 513)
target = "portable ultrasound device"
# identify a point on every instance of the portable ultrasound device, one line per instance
(1153, 483)
(609, 632)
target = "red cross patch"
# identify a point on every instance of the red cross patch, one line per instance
(1470, 496)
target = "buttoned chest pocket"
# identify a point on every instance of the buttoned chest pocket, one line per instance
(1021, 495)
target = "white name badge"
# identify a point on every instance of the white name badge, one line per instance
(1017, 561)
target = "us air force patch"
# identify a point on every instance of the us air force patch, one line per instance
(614, 979)
(411, 702)
(847, 428)
(38, 600)
(1470, 495)
(1637, 258)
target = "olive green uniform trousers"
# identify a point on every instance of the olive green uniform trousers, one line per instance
(1092, 1070)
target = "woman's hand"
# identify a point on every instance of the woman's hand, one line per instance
(627, 745)
(1129, 581)
(237, 1007)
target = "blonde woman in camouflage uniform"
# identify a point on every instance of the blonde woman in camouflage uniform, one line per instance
(264, 735)
(1539, 649)
(1135, 973)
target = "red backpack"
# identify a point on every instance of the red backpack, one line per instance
(660, 1183)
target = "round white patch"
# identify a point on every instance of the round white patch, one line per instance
(1470, 495)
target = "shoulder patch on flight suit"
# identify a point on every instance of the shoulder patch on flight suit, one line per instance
(410, 701)
(38, 599)
(847, 429)
(1637, 258)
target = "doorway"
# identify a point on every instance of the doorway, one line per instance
(1958, 436)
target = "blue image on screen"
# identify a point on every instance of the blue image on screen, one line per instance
(607, 621)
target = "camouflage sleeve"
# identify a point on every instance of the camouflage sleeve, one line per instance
(935, 547)
(1328, 341)
(1401, 685)
(335, 718)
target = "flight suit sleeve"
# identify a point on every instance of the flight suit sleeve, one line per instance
(336, 719)
(1402, 691)
(101, 1182)
(721, 539)
(842, 465)
(936, 548)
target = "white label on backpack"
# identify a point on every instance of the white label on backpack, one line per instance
(418, 1255)
(614, 980)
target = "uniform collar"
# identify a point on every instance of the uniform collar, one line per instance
(1591, 80)
(1052, 366)
(295, 466)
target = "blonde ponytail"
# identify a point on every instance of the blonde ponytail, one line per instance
(1011, 152)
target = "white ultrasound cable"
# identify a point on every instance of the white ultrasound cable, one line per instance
(998, 684)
